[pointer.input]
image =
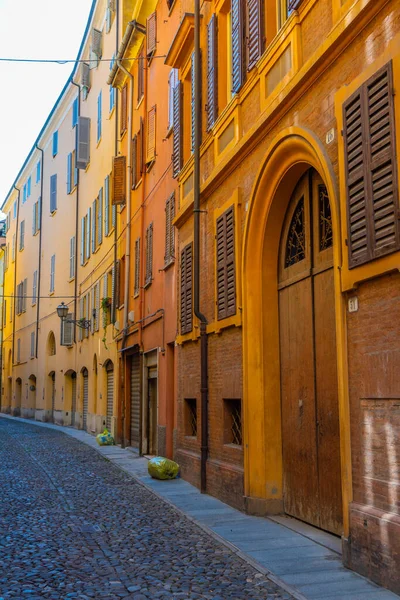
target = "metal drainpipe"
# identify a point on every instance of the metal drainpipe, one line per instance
(76, 220)
(128, 242)
(15, 274)
(40, 253)
(196, 258)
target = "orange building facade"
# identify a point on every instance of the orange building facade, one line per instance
(280, 392)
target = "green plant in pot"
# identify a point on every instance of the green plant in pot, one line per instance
(105, 307)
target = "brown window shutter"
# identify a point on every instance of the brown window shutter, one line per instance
(137, 267)
(151, 34)
(119, 180)
(151, 135)
(226, 271)
(254, 31)
(134, 161)
(212, 72)
(177, 156)
(124, 109)
(293, 5)
(186, 289)
(169, 229)
(141, 148)
(149, 254)
(193, 102)
(141, 74)
(371, 172)
(237, 45)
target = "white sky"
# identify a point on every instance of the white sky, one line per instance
(40, 29)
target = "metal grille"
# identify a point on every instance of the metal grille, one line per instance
(191, 417)
(233, 422)
(295, 245)
(85, 398)
(110, 399)
(325, 219)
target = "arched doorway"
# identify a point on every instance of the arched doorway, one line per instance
(51, 344)
(94, 407)
(70, 394)
(309, 399)
(291, 154)
(110, 393)
(85, 381)
(52, 379)
(18, 397)
(32, 395)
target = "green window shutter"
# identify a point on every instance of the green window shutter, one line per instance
(83, 235)
(94, 223)
(88, 226)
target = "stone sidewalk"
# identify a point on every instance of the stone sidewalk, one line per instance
(305, 562)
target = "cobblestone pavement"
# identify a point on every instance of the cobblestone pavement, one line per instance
(72, 525)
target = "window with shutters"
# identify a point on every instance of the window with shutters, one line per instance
(99, 228)
(110, 12)
(18, 350)
(53, 193)
(169, 230)
(371, 170)
(151, 136)
(97, 43)
(108, 208)
(13, 248)
(119, 180)
(99, 115)
(212, 73)
(173, 81)
(88, 232)
(55, 143)
(134, 161)
(140, 74)
(38, 171)
(112, 90)
(52, 273)
(225, 262)
(22, 235)
(36, 217)
(151, 40)
(192, 102)
(124, 110)
(177, 144)
(136, 287)
(121, 283)
(72, 172)
(75, 112)
(32, 344)
(237, 32)
(94, 225)
(186, 292)
(34, 287)
(83, 143)
(149, 255)
(254, 31)
(72, 253)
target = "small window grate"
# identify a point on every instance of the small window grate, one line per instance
(233, 422)
(191, 417)
(325, 219)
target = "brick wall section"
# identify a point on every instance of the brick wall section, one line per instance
(374, 376)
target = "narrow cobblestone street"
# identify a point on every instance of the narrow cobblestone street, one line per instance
(72, 525)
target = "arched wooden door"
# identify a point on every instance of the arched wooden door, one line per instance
(85, 376)
(310, 421)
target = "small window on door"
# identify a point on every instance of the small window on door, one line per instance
(296, 239)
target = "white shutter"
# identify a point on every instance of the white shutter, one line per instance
(72, 257)
(92, 303)
(100, 218)
(67, 331)
(34, 287)
(94, 223)
(88, 221)
(24, 293)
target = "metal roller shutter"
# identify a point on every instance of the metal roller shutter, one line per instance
(110, 398)
(73, 406)
(135, 401)
(85, 398)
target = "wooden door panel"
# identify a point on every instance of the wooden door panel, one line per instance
(300, 476)
(327, 403)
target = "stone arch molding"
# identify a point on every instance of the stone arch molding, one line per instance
(291, 153)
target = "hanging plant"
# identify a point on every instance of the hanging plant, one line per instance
(105, 307)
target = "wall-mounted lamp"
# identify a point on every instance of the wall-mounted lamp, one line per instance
(62, 311)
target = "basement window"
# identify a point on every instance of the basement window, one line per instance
(233, 422)
(191, 417)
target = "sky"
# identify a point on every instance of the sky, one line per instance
(34, 29)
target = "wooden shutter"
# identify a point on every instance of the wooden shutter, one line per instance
(177, 156)
(107, 205)
(254, 31)
(137, 268)
(141, 148)
(186, 289)
(88, 222)
(83, 237)
(151, 34)
(83, 143)
(193, 79)
(94, 225)
(53, 193)
(237, 45)
(67, 331)
(85, 76)
(149, 254)
(169, 228)
(151, 135)
(97, 306)
(72, 257)
(97, 37)
(100, 218)
(293, 5)
(134, 161)
(119, 180)
(141, 74)
(371, 172)
(226, 272)
(24, 293)
(124, 109)
(212, 74)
